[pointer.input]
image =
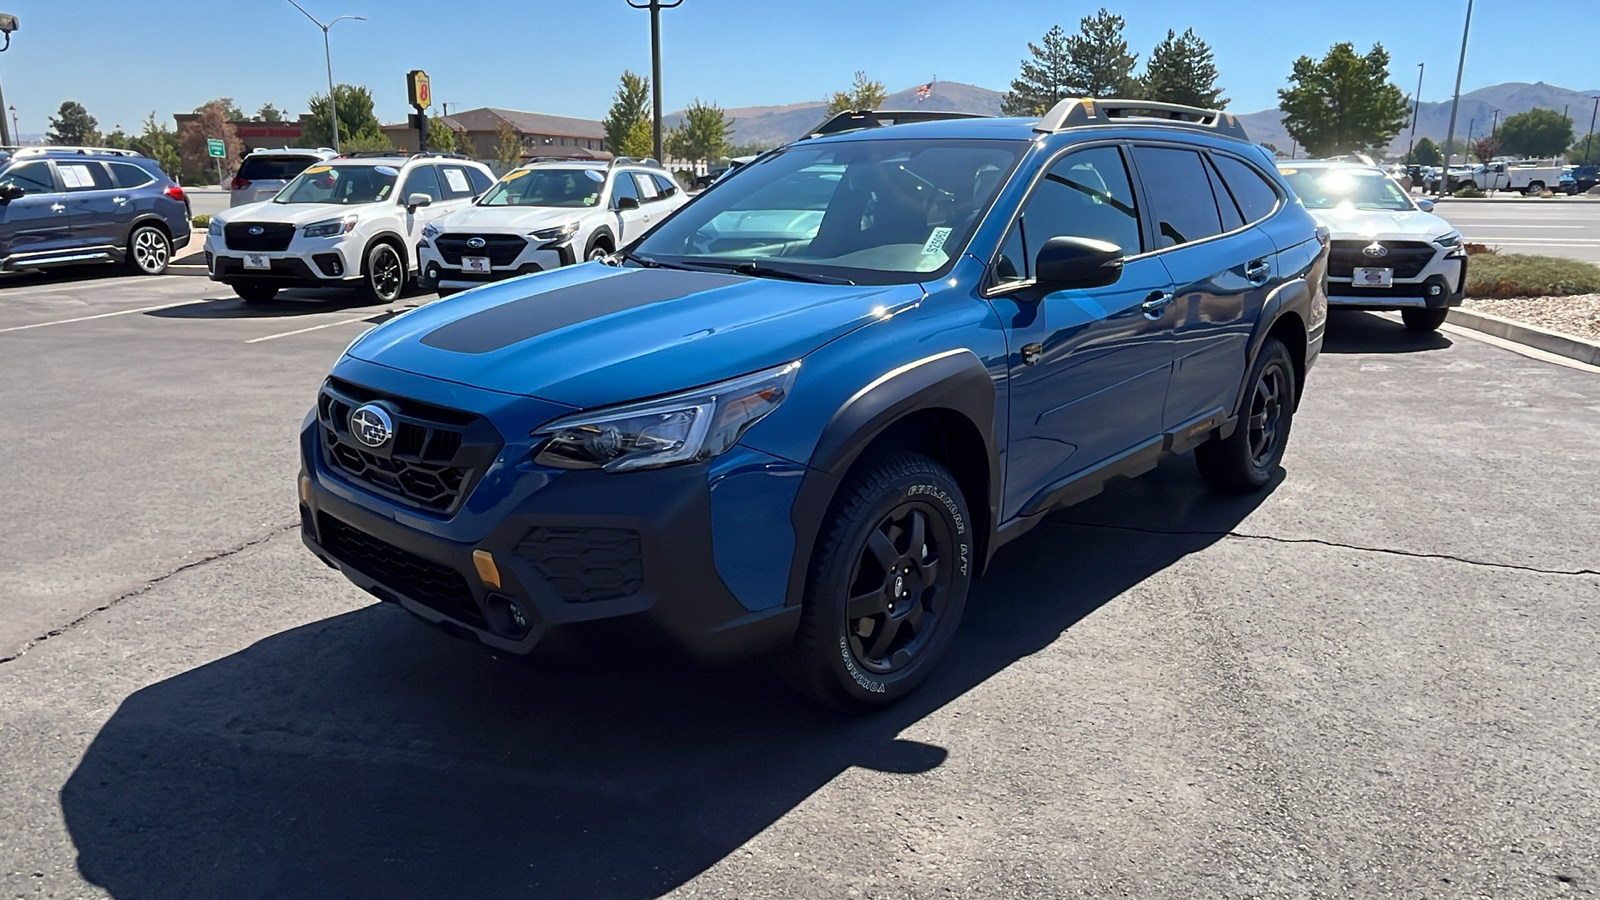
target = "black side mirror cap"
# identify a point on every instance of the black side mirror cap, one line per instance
(626, 203)
(1070, 263)
(11, 191)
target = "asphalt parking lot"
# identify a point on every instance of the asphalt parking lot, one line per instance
(1562, 227)
(1378, 679)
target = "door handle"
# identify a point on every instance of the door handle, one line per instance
(119, 200)
(1156, 304)
(1258, 272)
(58, 207)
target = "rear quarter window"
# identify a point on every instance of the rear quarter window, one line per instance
(274, 168)
(128, 175)
(1256, 196)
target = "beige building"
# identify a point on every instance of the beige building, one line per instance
(478, 134)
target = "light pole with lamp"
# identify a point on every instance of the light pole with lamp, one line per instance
(1416, 112)
(1455, 104)
(327, 51)
(8, 24)
(655, 7)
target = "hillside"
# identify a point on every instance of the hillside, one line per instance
(774, 125)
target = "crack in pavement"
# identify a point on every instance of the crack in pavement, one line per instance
(1412, 554)
(148, 586)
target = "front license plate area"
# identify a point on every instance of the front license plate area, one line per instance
(475, 265)
(1373, 278)
(257, 261)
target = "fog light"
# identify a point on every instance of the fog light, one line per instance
(1435, 290)
(305, 489)
(488, 572)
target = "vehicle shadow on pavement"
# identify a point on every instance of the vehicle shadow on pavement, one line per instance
(366, 756)
(286, 305)
(1356, 331)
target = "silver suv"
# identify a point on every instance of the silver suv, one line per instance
(264, 172)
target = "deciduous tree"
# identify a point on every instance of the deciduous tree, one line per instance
(1426, 153)
(269, 113)
(72, 126)
(1344, 103)
(629, 111)
(1486, 148)
(1537, 132)
(213, 123)
(864, 93)
(158, 142)
(357, 122)
(508, 147)
(1182, 69)
(440, 138)
(702, 136)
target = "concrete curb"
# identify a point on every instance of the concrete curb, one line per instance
(1530, 335)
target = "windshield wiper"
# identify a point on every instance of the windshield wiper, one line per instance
(651, 263)
(761, 270)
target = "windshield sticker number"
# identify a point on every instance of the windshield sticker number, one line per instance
(936, 241)
(457, 180)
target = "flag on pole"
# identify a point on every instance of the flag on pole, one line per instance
(925, 92)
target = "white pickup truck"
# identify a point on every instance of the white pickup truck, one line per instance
(1528, 176)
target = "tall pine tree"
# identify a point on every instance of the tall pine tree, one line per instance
(1183, 70)
(1043, 81)
(629, 111)
(1098, 61)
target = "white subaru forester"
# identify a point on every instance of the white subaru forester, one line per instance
(545, 215)
(351, 221)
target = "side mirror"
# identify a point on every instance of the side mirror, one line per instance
(418, 199)
(1067, 263)
(10, 191)
(1425, 205)
(626, 203)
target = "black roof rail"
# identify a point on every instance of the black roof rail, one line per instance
(373, 154)
(649, 162)
(853, 120)
(1078, 112)
(41, 150)
(436, 153)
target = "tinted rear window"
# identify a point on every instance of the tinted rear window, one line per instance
(1185, 208)
(128, 175)
(274, 168)
(1256, 197)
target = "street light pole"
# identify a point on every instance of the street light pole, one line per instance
(655, 7)
(8, 24)
(1455, 104)
(1416, 111)
(1590, 139)
(327, 52)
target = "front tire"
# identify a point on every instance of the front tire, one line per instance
(599, 248)
(1423, 319)
(252, 292)
(384, 278)
(1245, 461)
(149, 250)
(887, 585)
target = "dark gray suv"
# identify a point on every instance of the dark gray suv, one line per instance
(67, 206)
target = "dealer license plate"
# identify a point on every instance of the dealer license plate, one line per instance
(257, 261)
(1373, 278)
(475, 265)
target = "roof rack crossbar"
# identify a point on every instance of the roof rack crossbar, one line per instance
(853, 120)
(649, 162)
(1077, 112)
(85, 151)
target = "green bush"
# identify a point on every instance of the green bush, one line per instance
(1468, 192)
(1520, 275)
(200, 223)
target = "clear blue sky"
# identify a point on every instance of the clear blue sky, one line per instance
(123, 60)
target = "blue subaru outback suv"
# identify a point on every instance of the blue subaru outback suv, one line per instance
(799, 416)
(71, 206)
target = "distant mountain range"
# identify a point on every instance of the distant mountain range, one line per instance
(774, 125)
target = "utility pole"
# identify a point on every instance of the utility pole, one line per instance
(655, 7)
(1590, 139)
(333, 106)
(1416, 111)
(1495, 125)
(1455, 105)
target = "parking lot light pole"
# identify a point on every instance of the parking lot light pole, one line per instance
(1416, 112)
(655, 7)
(1590, 139)
(8, 24)
(327, 52)
(1455, 105)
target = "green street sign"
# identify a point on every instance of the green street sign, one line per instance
(215, 148)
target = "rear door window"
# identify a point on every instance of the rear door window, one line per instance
(623, 186)
(128, 175)
(33, 177)
(1256, 196)
(274, 168)
(666, 185)
(83, 176)
(1184, 209)
(456, 184)
(480, 181)
(422, 180)
(647, 187)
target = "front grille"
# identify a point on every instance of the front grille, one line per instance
(433, 460)
(274, 236)
(437, 586)
(1406, 258)
(585, 565)
(502, 249)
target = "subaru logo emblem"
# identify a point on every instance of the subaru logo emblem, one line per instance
(371, 425)
(257, 230)
(1375, 250)
(477, 243)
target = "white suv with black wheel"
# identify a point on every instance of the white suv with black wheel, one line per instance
(1388, 251)
(351, 221)
(545, 215)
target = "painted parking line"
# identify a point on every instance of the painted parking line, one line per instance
(120, 312)
(273, 337)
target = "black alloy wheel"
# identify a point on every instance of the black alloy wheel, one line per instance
(386, 274)
(899, 588)
(1244, 461)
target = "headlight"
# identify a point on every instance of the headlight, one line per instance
(687, 427)
(331, 228)
(559, 233)
(430, 231)
(1453, 239)
(214, 228)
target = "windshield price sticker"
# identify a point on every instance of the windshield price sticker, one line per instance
(936, 241)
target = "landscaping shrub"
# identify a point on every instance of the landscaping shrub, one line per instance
(1469, 192)
(200, 223)
(1521, 275)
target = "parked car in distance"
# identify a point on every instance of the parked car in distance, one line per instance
(73, 206)
(1580, 179)
(807, 437)
(1526, 176)
(1389, 252)
(542, 216)
(263, 173)
(351, 221)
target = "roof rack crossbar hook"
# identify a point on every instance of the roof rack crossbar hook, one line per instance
(1077, 112)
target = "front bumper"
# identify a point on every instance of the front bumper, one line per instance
(1442, 284)
(308, 262)
(668, 555)
(435, 273)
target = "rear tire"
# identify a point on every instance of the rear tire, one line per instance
(149, 250)
(887, 585)
(254, 292)
(1245, 461)
(383, 278)
(1423, 319)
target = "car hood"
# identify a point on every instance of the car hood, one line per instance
(593, 335)
(290, 213)
(510, 218)
(1381, 224)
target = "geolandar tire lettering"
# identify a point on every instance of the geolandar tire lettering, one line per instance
(887, 584)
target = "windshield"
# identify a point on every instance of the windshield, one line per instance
(1354, 188)
(564, 188)
(343, 184)
(871, 211)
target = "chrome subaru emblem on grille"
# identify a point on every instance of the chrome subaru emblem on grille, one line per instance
(1375, 250)
(371, 425)
(257, 230)
(476, 243)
